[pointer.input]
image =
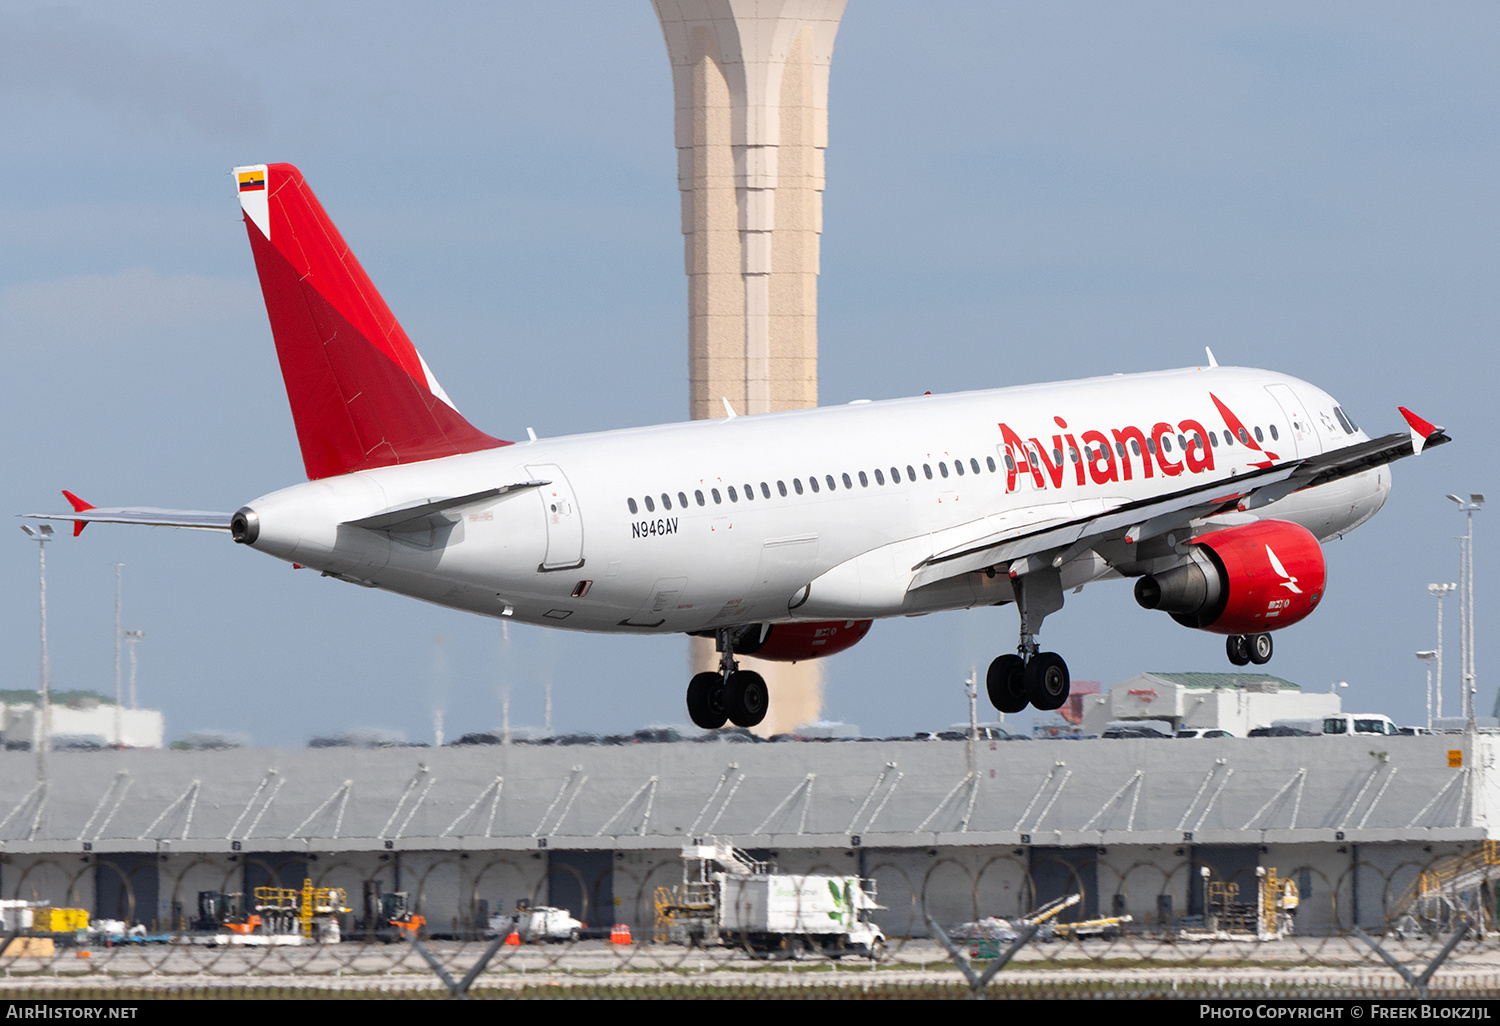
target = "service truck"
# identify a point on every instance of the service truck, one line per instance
(727, 897)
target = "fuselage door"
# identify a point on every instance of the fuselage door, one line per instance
(564, 523)
(1304, 433)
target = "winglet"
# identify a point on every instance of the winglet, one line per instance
(1421, 432)
(78, 507)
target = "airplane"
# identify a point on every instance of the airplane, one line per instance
(784, 535)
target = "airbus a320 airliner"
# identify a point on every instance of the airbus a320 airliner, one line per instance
(784, 535)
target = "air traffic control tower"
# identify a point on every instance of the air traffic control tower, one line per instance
(750, 80)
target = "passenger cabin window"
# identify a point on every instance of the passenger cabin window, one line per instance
(911, 473)
(864, 482)
(650, 506)
(780, 487)
(879, 477)
(733, 495)
(698, 494)
(632, 505)
(848, 483)
(927, 469)
(828, 478)
(715, 493)
(765, 489)
(666, 501)
(1274, 435)
(989, 461)
(895, 475)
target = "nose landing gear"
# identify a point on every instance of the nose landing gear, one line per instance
(730, 694)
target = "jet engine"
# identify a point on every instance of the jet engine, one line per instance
(792, 642)
(1242, 580)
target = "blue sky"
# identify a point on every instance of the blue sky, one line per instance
(1016, 193)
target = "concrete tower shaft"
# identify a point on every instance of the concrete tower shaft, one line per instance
(750, 82)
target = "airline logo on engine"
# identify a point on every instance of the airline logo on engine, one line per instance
(1289, 582)
(1103, 458)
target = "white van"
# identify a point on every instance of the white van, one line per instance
(1359, 723)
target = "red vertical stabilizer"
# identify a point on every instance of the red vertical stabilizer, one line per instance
(361, 395)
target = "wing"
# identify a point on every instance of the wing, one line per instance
(1058, 540)
(84, 514)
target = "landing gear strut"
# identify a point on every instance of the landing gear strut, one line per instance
(732, 694)
(1031, 677)
(1249, 648)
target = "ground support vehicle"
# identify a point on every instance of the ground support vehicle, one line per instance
(533, 925)
(726, 897)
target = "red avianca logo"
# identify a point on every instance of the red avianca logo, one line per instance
(1116, 456)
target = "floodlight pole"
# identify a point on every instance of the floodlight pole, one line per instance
(119, 638)
(1428, 656)
(42, 535)
(1440, 590)
(132, 637)
(1466, 600)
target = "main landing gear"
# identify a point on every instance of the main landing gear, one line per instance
(1038, 679)
(730, 693)
(1248, 648)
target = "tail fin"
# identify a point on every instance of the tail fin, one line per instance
(361, 394)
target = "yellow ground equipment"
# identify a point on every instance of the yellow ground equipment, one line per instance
(1449, 889)
(59, 920)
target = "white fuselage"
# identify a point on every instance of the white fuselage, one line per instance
(588, 551)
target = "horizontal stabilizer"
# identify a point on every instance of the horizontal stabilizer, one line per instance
(416, 516)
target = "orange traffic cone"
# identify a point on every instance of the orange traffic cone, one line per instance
(619, 934)
(513, 940)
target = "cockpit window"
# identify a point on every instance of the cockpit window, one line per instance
(1344, 421)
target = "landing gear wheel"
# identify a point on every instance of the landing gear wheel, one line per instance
(705, 701)
(1237, 647)
(1260, 648)
(746, 698)
(1006, 683)
(1047, 680)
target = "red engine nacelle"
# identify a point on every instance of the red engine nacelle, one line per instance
(792, 642)
(1242, 580)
